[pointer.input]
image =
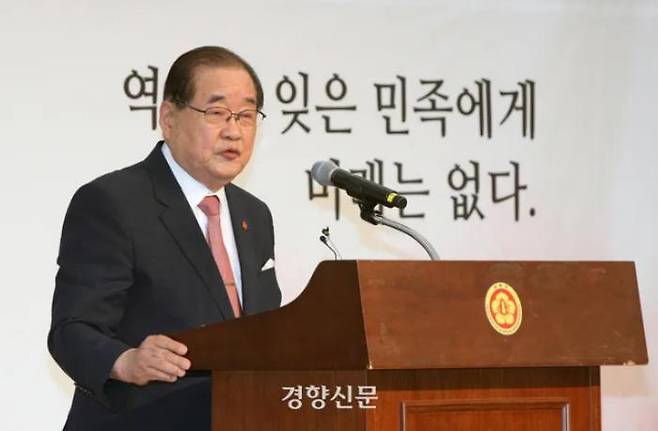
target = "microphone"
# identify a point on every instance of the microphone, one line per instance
(328, 173)
(326, 240)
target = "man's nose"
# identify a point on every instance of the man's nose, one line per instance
(231, 129)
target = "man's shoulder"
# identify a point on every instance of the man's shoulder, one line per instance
(131, 180)
(124, 191)
(235, 192)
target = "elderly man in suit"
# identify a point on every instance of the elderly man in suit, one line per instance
(166, 244)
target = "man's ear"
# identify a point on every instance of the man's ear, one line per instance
(167, 118)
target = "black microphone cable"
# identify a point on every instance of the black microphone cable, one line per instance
(325, 238)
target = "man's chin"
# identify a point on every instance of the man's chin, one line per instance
(226, 175)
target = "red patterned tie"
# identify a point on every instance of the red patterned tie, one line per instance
(210, 207)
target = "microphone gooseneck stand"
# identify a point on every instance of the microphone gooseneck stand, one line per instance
(369, 214)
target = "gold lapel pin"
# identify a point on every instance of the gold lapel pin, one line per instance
(245, 226)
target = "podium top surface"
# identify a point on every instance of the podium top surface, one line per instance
(427, 315)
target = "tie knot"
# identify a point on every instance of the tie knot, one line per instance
(210, 205)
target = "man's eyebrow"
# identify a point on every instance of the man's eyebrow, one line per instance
(219, 98)
(215, 98)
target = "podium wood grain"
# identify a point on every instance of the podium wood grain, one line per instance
(418, 332)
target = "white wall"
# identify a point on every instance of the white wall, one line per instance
(590, 170)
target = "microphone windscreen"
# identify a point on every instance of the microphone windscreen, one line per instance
(322, 170)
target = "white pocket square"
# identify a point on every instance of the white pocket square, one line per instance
(268, 265)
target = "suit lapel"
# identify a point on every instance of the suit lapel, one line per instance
(243, 231)
(178, 218)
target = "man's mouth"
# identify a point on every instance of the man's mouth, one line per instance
(230, 154)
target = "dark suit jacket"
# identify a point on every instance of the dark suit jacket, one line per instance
(133, 262)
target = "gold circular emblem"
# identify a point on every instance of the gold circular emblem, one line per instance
(503, 308)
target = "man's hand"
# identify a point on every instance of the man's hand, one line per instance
(158, 357)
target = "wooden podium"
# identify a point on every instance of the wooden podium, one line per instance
(420, 334)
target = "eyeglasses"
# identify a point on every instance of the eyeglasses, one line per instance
(220, 116)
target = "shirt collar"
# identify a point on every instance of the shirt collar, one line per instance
(193, 190)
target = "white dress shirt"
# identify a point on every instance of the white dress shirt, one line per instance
(194, 192)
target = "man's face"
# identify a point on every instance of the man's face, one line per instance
(212, 154)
